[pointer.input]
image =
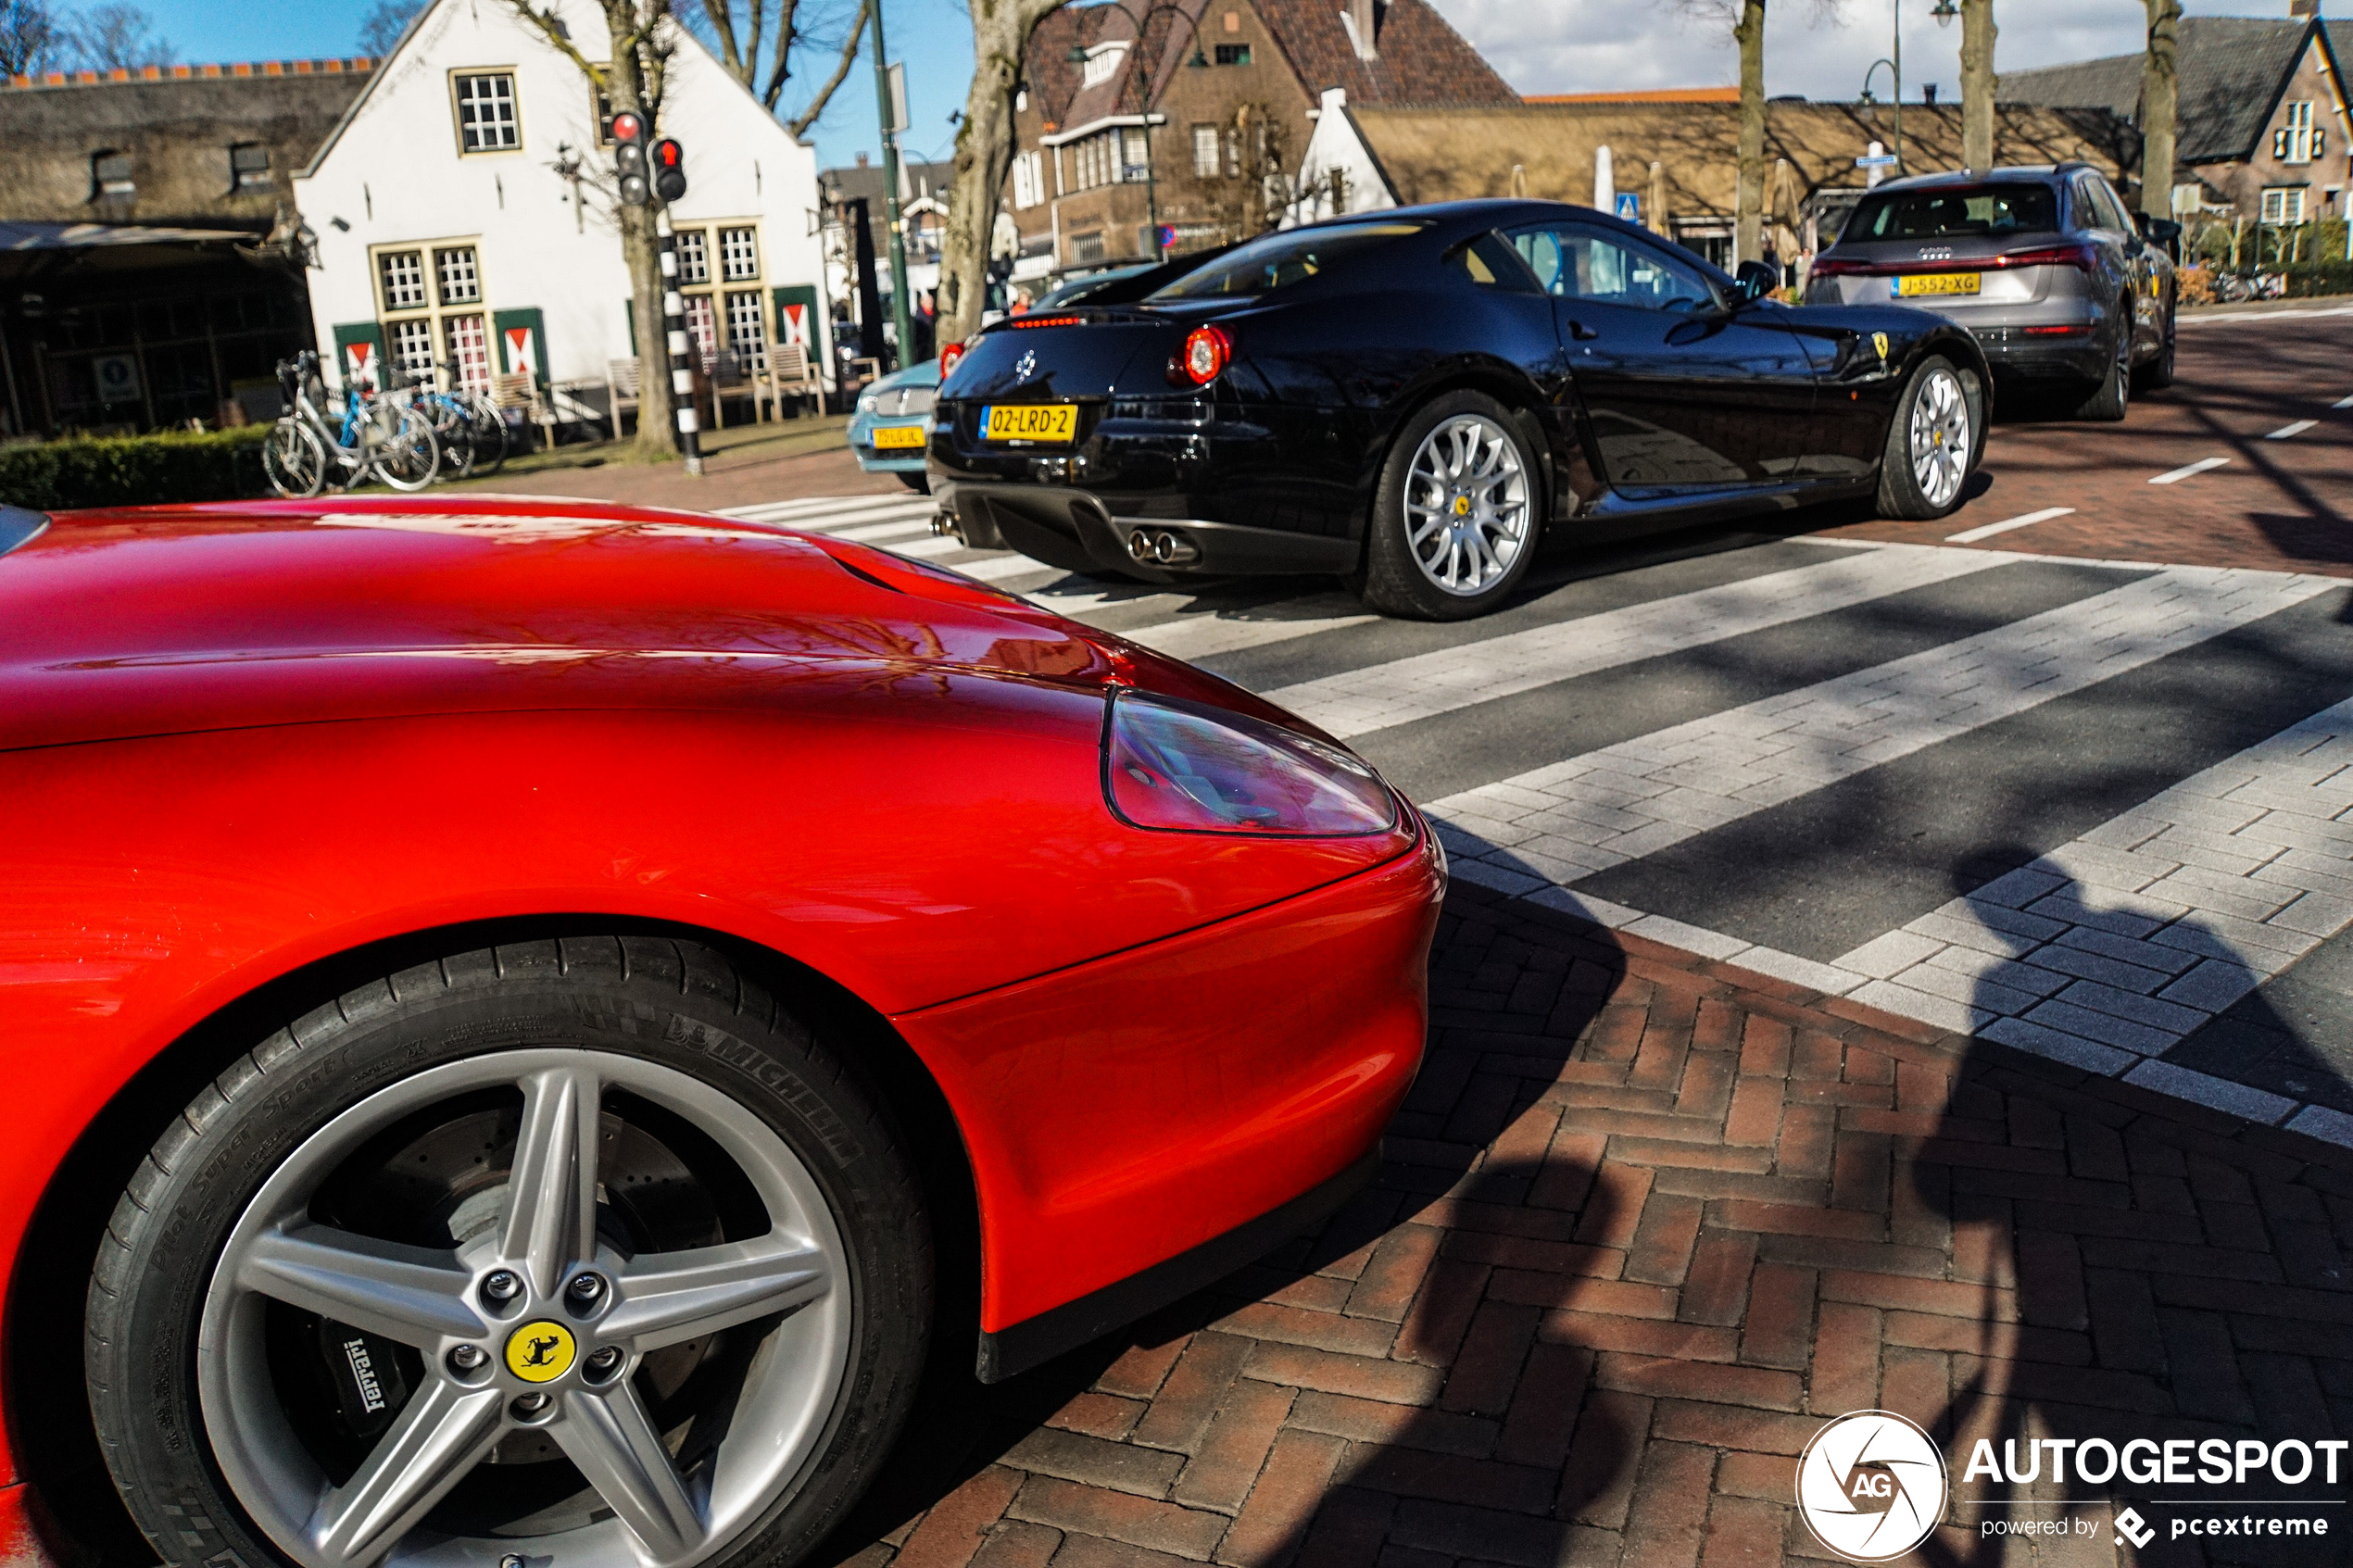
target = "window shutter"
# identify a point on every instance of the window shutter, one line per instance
(369, 338)
(502, 323)
(2279, 143)
(2319, 144)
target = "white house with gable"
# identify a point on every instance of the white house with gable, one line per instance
(448, 227)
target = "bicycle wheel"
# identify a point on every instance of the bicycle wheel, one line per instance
(454, 429)
(295, 460)
(487, 429)
(409, 458)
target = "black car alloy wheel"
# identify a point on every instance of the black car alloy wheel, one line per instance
(583, 1252)
(1456, 516)
(1932, 445)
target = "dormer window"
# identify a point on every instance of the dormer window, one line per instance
(110, 175)
(248, 169)
(1102, 63)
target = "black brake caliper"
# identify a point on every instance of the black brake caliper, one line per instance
(365, 1369)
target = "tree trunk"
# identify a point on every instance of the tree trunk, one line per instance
(1748, 199)
(1977, 84)
(2160, 93)
(983, 154)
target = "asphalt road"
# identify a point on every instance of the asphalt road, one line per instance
(2065, 771)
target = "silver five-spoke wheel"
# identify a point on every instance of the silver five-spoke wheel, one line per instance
(592, 1271)
(1468, 513)
(1939, 437)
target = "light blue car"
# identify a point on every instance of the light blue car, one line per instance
(893, 422)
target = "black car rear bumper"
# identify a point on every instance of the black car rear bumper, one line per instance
(1073, 529)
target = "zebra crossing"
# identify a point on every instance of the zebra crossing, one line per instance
(2101, 811)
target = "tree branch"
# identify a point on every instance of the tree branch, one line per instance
(549, 29)
(799, 125)
(722, 23)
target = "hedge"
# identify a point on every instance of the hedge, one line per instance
(134, 469)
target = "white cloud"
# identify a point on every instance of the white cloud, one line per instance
(1601, 45)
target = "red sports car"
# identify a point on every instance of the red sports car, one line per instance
(527, 1021)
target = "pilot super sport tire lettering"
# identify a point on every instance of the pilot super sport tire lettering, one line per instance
(1455, 518)
(1932, 446)
(585, 1252)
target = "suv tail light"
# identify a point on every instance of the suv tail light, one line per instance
(1836, 267)
(2083, 258)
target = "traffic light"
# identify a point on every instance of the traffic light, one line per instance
(670, 169)
(629, 158)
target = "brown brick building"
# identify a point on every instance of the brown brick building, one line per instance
(1198, 125)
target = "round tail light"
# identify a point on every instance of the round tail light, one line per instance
(948, 358)
(1207, 354)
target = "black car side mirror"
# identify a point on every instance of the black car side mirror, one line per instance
(1753, 281)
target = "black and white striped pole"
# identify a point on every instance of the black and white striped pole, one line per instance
(681, 361)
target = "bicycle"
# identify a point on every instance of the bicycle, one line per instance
(470, 427)
(377, 438)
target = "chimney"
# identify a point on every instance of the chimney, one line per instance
(2299, 11)
(1363, 25)
(862, 160)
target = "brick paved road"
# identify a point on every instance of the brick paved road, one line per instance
(1645, 1221)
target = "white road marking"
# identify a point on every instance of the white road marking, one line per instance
(1571, 819)
(1972, 535)
(2177, 475)
(2298, 428)
(1354, 702)
(1198, 636)
(2258, 315)
(868, 533)
(2342, 403)
(2113, 947)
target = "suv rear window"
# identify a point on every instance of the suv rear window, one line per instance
(2011, 206)
(1267, 264)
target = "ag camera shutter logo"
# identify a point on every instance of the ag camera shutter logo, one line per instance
(1871, 1486)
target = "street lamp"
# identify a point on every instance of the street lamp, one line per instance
(1943, 11)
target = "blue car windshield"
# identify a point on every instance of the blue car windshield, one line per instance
(2011, 206)
(1277, 260)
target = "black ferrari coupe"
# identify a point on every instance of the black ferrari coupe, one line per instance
(1410, 399)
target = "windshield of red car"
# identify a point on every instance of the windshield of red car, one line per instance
(1945, 210)
(1279, 260)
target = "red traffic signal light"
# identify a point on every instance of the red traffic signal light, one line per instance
(670, 169)
(629, 158)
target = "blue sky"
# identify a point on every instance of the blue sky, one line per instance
(1539, 45)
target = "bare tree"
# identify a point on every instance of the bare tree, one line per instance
(632, 81)
(983, 153)
(1746, 19)
(740, 28)
(117, 36)
(2160, 95)
(1977, 84)
(381, 28)
(30, 37)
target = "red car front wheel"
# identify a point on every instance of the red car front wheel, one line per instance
(582, 1251)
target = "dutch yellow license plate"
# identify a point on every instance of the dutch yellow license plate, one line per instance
(1939, 282)
(1030, 421)
(889, 436)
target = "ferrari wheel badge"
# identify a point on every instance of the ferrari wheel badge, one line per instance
(541, 1351)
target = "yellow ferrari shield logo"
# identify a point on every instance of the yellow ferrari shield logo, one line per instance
(540, 1352)
(1878, 341)
(1462, 505)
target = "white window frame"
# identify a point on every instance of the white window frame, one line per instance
(458, 102)
(1029, 184)
(438, 306)
(708, 296)
(2277, 202)
(2294, 142)
(1208, 159)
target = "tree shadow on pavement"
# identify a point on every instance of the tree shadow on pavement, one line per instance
(2128, 1264)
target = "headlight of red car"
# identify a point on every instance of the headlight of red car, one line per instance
(1179, 765)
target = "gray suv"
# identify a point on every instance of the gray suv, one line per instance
(2045, 266)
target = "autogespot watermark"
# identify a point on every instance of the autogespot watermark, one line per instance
(1872, 1485)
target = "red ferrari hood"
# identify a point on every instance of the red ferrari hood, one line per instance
(168, 620)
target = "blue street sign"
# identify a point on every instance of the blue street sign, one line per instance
(1629, 207)
(1881, 160)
